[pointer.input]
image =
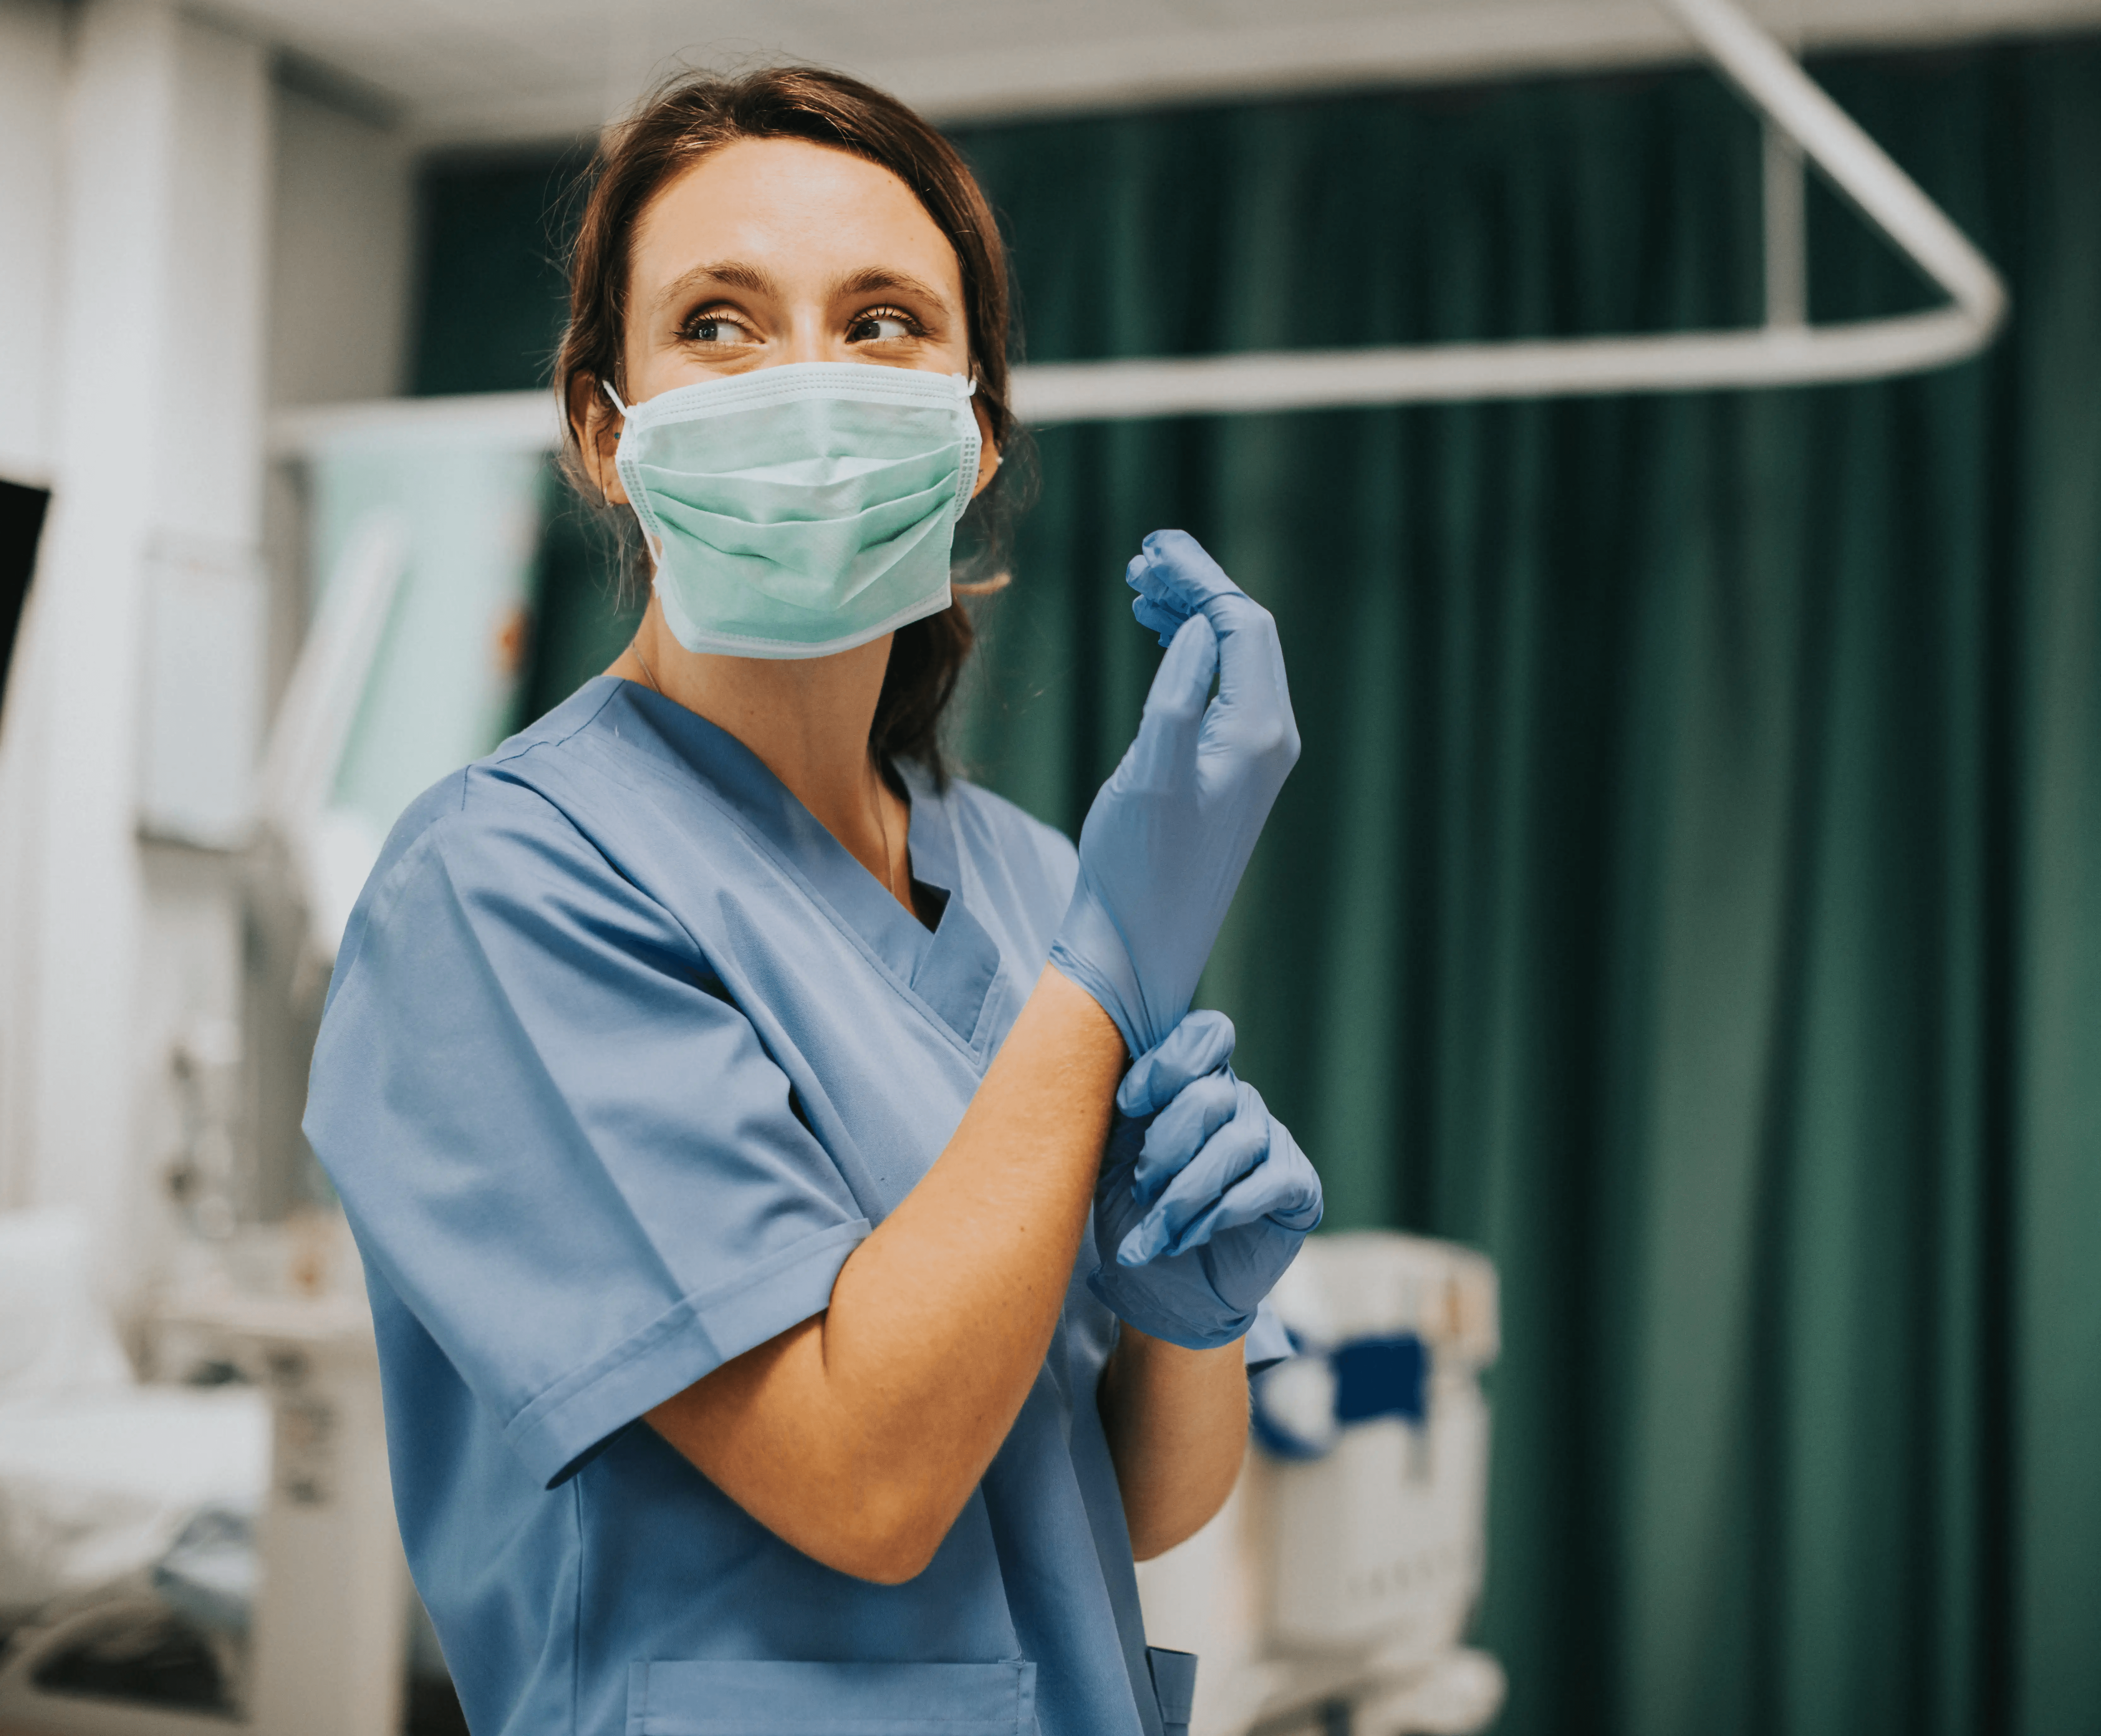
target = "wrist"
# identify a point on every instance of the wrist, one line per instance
(1078, 1008)
(1138, 1350)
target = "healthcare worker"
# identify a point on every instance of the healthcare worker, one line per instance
(811, 1250)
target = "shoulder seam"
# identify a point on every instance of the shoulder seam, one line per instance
(432, 839)
(568, 735)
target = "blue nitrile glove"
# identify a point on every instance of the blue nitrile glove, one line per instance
(1204, 1196)
(1167, 840)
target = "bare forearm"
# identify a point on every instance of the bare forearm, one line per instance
(859, 1435)
(940, 1320)
(1177, 1426)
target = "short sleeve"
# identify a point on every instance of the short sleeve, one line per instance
(1268, 1341)
(557, 1139)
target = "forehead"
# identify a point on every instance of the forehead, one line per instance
(795, 211)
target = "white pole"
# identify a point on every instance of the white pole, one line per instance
(1774, 82)
(1787, 234)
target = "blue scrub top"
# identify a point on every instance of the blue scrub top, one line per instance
(623, 1056)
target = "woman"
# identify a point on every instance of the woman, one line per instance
(769, 1343)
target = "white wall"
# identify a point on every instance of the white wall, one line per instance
(340, 244)
(341, 263)
(159, 128)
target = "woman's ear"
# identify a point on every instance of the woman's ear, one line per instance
(597, 426)
(987, 449)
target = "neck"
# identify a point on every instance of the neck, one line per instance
(807, 719)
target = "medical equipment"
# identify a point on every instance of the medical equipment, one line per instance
(1164, 843)
(252, 1519)
(1204, 1197)
(1338, 1580)
(800, 510)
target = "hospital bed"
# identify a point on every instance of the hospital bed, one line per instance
(186, 1561)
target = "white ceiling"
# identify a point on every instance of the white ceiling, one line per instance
(465, 70)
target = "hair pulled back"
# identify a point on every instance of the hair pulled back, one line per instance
(685, 119)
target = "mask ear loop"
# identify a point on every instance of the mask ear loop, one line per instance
(999, 580)
(655, 552)
(970, 390)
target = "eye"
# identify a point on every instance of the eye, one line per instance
(716, 326)
(883, 326)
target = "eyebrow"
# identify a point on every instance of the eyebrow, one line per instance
(736, 274)
(731, 274)
(874, 279)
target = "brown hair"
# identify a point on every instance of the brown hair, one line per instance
(683, 120)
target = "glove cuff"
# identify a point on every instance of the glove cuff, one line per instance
(1133, 1308)
(1091, 951)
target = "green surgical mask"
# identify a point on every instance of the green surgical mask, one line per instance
(799, 510)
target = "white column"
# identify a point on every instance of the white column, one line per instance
(32, 70)
(32, 60)
(156, 392)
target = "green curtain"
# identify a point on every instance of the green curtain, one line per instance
(1691, 891)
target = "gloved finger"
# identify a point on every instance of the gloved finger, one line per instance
(1164, 622)
(1201, 1043)
(1299, 1206)
(1180, 1131)
(1229, 1154)
(1156, 621)
(1176, 575)
(1281, 1185)
(1164, 602)
(1176, 572)
(1253, 710)
(1253, 1199)
(1174, 704)
(1289, 1186)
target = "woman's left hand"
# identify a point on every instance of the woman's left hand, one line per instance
(1204, 1197)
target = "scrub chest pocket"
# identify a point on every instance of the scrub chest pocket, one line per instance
(714, 1699)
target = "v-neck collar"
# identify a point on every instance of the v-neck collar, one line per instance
(949, 968)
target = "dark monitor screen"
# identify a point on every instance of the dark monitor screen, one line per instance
(21, 521)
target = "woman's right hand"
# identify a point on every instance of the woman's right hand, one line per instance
(1169, 834)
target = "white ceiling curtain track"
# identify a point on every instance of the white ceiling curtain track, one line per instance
(1802, 124)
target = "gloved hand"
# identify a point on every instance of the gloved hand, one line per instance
(1167, 840)
(1204, 1196)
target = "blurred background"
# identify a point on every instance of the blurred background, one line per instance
(1689, 898)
